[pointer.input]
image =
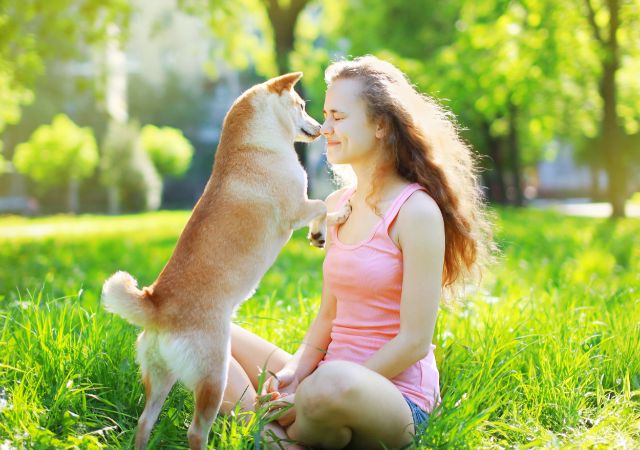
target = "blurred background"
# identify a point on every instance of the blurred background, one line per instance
(111, 106)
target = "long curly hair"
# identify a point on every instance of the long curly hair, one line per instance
(423, 145)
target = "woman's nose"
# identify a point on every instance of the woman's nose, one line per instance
(325, 129)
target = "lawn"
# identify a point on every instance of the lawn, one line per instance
(545, 354)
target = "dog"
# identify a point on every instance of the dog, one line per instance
(254, 199)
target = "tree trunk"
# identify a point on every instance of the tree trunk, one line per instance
(73, 196)
(610, 133)
(497, 186)
(614, 164)
(114, 200)
(115, 97)
(283, 21)
(513, 148)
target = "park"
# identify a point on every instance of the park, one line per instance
(110, 116)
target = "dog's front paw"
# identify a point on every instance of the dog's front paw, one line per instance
(316, 239)
(339, 217)
(344, 213)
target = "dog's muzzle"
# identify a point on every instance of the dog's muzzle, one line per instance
(314, 135)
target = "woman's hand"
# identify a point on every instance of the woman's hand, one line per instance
(278, 396)
(278, 385)
(282, 383)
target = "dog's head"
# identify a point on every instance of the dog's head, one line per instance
(290, 107)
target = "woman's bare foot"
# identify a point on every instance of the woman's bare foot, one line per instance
(274, 437)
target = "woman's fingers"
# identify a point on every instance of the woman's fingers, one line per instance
(278, 381)
(271, 384)
(268, 397)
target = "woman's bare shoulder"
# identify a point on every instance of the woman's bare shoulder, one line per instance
(422, 206)
(418, 214)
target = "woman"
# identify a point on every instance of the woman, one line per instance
(365, 374)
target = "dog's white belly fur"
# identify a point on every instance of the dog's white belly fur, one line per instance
(188, 356)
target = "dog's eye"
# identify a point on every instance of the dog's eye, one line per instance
(302, 106)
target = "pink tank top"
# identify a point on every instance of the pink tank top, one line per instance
(366, 279)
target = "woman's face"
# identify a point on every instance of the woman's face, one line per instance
(351, 137)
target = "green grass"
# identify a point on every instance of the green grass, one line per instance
(546, 354)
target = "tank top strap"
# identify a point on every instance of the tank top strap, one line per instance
(393, 210)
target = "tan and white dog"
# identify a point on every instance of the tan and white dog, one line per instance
(255, 198)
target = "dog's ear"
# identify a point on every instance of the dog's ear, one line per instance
(283, 82)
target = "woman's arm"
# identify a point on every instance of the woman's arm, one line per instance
(421, 238)
(317, 338)
(283, 385)
(316, 341)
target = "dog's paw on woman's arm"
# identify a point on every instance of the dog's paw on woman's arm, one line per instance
(316, 239)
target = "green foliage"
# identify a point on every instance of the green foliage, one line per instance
(11, 95)
(57, 153)
(33, 31)
(418, 34)
(169, 150)
(546, 354)
(244, 29)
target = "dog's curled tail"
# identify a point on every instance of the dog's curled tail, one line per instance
(121, 296)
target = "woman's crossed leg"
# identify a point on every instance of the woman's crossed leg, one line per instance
(345, 404)
(340, 404)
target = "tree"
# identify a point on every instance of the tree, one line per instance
(262, 32)
(517, 73)
(57, 154)
(613, 24)
(541, 76)
(503, 67)
(486, 61)
(32, 31)
(258, 31)
(126, 168)
(169, 150)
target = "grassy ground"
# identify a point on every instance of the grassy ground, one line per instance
(547, 354)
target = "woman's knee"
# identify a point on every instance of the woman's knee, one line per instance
(329, 391)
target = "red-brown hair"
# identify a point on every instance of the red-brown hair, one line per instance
(423, 145)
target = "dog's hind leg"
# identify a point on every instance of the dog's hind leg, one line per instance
(208, 386)
(208, 396)
(158, 380)
(157, 387)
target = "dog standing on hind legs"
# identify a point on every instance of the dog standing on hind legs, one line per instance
(255, 198)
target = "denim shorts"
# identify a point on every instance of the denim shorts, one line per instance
(420, 416)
